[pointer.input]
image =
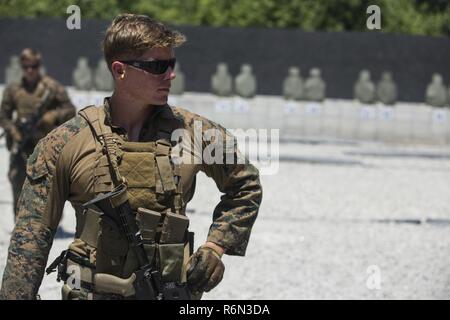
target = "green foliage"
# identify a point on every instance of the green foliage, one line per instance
(421, 17)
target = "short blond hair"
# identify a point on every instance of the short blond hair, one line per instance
(29, 54)
(132, 34)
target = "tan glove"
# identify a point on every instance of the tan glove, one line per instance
(48, 121)
(15, 134)
(205, 270)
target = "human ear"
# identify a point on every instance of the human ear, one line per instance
(118, 70)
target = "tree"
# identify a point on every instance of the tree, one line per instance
(421, 17)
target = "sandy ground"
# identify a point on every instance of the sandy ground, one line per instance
(334, 224)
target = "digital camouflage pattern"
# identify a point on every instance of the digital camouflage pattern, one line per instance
(61, 168)
(32, 237)
(21, 102)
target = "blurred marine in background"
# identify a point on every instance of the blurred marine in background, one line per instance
(115, 164)
(29, 110)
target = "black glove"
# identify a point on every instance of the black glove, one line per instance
(205, 270)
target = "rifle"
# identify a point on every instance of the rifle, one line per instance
(28, 126)
(145, 283)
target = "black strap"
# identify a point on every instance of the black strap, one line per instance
(60, 264)
(62, 259)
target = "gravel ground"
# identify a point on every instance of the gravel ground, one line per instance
(336, 222)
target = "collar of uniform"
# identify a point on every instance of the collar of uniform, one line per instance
(163, 111)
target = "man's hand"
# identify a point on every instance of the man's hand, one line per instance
(48, 121)
(15, 134)
(205, 268)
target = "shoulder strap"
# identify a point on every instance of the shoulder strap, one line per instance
(170, 174)
(167, 123)
(95, 116)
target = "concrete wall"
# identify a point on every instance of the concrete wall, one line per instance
(340, 55)
(334, 119)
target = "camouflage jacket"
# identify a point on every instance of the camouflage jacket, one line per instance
(20, 103)
(60, 169)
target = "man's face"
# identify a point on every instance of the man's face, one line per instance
(145, 87)
(30, 69)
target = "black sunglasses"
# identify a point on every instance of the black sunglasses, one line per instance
(152, 66)
(32, 66)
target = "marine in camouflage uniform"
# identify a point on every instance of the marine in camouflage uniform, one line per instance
(69, 164)
(29, 110)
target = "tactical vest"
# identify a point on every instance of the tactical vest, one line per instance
(26, 102)
(155, 195)
(28, 105)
